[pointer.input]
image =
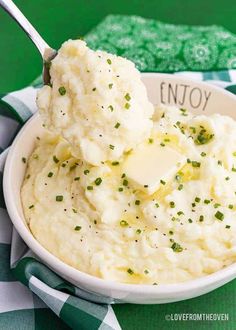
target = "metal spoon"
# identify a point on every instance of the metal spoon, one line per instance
(45, 50)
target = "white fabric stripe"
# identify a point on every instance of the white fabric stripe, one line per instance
(8, 128)
(19, 106)
(53, 298)
(28, 96)
(190, 75)
(19, 248)
(232, 74)
(15, 296)
(111, 320)
(5, 227)
(3, 157)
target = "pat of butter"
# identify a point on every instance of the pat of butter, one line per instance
(151, 163)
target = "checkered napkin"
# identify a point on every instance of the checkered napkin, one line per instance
(29, 291)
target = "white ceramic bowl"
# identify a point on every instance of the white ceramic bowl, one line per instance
(168, 89)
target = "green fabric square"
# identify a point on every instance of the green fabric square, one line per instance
(5, 272)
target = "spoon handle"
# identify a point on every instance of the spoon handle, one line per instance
(17, 15)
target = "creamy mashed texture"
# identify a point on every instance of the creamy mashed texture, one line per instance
(96, 100)
(98, 220)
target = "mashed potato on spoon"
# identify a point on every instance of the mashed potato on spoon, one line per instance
(96, 101)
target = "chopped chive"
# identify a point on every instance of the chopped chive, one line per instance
(127, 105)
(162, 144)
(86, 172)
(77, 228)
(201, 218)
(137, 202)
(73, 167)
(110, 86)
(150, 140)
(23, 160)
(74, 210)
(111, 107)
(195, 163)
(123, 223)
(146, 186)
(76, 178)
(171, 232)
(230, 206)
(59, 198)
(127, 97)
(219, 215)
(180, 187)
(50, 174)
(197, 199)
(130, 271)
(94, 88)
(146, 271)
(203, 154)
(125, 182)
(227, 226)
(180, 213)
(98, 181)
(63, 165)
(111, 147)
(227, 178)
(162, 182)
(31, 206)
(62, 90)
(178, 177)
(176, 247)
(216, 205)
(138, 231)
(55, 159)
(207, 201)
(120, 189)
(219, 162)
(157, 205)
(117, 125)
(123, 175)
(190, 220)
(28, 176)
(115, 163)
(109, 61)
(172, 204)
(233, 169)
(89, 187)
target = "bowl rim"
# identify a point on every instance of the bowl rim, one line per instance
(58, 265)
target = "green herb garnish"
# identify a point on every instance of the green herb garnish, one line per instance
(50, 174)
(55, 159)
(219, 215)
(77, 228)
(59, 198)
(176, 247)
(123, 223)
(98, 181)
(62, 90)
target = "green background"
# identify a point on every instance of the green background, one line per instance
(59, 20)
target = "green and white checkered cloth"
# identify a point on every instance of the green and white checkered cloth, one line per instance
(29, 291)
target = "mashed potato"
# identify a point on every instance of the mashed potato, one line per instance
(96, 100)
(94, 218)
